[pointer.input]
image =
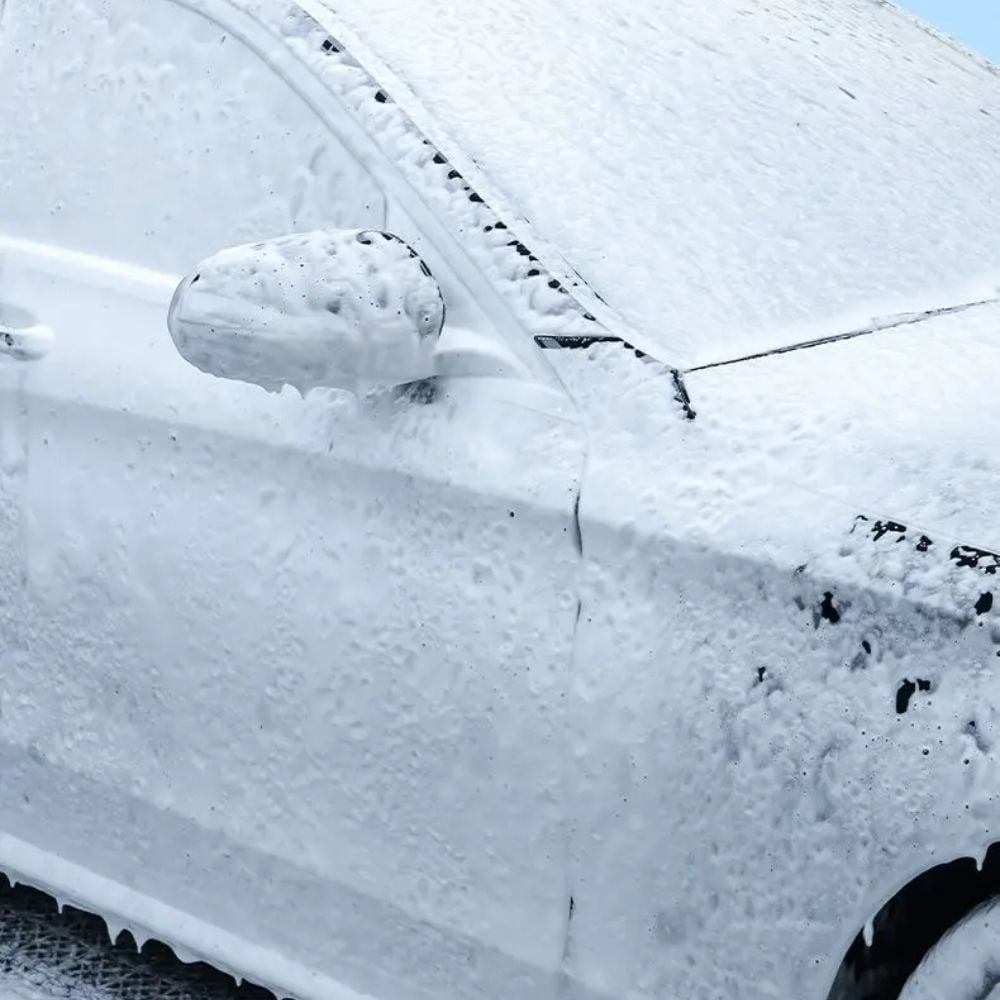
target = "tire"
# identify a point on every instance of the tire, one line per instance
(964, 964)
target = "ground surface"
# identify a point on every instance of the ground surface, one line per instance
(48, 956)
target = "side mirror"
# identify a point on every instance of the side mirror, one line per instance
(333, 308)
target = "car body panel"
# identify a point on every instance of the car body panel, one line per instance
(784, 685)
(245, 693)
(900, 423)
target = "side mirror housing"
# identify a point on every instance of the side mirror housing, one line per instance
(334, 308)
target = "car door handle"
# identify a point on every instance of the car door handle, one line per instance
(21, 337)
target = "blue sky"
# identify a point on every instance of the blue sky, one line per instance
(974, 22)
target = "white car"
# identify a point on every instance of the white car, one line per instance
(627, 627)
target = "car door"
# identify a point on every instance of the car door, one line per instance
(281, 679)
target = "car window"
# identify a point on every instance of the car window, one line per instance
(143, 131)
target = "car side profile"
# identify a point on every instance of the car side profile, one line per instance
(462, 539)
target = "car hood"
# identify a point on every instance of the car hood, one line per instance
(725, 177)
(898, 426)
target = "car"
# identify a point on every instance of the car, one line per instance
(498, 501)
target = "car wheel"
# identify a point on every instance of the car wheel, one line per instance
(964, 964)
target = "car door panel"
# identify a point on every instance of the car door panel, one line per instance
(283, 665)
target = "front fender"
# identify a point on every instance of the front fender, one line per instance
(781, 712)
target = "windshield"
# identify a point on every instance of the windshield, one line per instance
(727, 176)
